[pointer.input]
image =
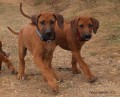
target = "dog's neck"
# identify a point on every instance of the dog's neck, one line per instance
(78, 38)
(77, 35)
(40, 35)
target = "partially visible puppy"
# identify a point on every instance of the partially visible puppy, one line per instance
(4, 58)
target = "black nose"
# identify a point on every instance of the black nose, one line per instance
(48, 32)
(87, 36)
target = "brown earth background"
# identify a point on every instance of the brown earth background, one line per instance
(101, 53)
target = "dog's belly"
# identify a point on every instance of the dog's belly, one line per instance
(63, 45)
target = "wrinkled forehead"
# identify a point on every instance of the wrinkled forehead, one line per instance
(46, 17)
(85, 20)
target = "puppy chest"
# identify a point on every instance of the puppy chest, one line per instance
(48, 50)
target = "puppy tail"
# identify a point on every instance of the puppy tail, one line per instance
(27, 16)
(16, 33)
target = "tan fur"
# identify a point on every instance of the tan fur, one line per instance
(72, 38)
(42, 51)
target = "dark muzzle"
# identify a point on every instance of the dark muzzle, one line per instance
(86, 37)
(48, 35)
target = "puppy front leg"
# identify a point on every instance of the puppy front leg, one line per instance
(84, 67)
(75, 69)
(48, 75)
(52, 69)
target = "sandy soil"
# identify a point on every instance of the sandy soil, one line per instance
(101, 53)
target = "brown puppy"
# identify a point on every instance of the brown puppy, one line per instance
(4, 58)
(73, 37)
(38, 37)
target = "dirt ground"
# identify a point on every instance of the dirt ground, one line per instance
(101, 53)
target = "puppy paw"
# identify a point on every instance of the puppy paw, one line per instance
(14, 72)
(92, 79)
(54, 86)
(76, 72)
(20, 77)
(60, 80)
(55, 92)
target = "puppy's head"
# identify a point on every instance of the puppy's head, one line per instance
(83, 27)
(45, 23)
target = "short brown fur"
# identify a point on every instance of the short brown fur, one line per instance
(41, 50)
(73, 37)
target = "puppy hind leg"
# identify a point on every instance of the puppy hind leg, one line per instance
(8, 63)
(84, 68)
(22, 54)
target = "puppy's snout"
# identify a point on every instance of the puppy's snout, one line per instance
(48, 31)
(87, 36)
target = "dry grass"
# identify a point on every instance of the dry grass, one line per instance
(102, 52)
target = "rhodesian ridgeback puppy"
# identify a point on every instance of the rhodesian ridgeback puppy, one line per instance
(73, 37)
(4, 58)
(39, 38)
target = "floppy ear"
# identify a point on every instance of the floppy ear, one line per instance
(60, 20)
(95, 25)
(34, 18)
(74, 24)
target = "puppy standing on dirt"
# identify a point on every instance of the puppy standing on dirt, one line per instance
(38, 37)
(73, 37)
(4, 58)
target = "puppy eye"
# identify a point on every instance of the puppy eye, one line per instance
(81, 25)
(52, 22)
(42, 22)
(90, 25)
